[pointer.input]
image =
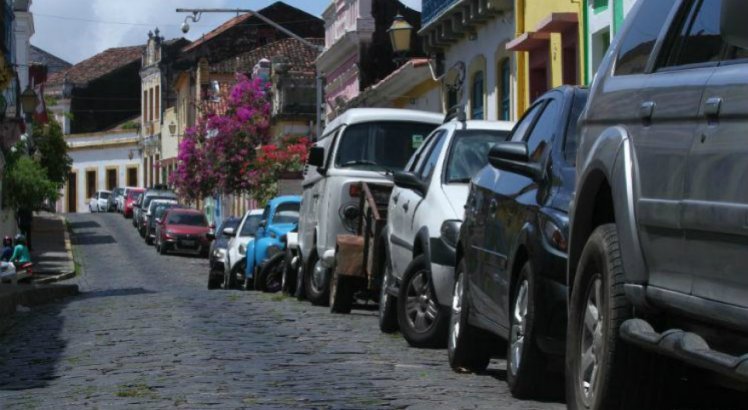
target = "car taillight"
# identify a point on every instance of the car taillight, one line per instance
(354, 190)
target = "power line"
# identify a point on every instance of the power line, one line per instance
(123, 23)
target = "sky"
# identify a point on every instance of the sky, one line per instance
(77, 29)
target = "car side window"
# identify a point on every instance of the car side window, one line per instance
(525, 124)
(698, 39)
(539, 140)
(415, 160)
(429, 164)
(639, 40)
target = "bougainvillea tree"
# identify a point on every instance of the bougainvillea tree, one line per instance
(228, 151)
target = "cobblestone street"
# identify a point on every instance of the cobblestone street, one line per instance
(146, 332)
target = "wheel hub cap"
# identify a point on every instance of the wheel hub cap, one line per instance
(592, 341)
(519, 320)
(420, 308)
(454, 321)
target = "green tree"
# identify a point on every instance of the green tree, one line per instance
(54, 152)
(27, 184)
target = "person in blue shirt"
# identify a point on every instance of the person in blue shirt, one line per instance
(7, 249)
(21, 253)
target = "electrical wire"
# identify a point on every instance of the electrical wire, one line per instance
(123, 23)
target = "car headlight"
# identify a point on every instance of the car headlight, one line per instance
(450, 232)
(242, 250)
(219, 253)
(169, 234)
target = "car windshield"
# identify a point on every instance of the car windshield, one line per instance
(287, 213)
(383, 144)
(250, 225)
(469, 153)
(104, 195)
(187, 219)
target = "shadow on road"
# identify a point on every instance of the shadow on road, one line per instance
(84, 225)
(113, 293)
(92, 239)
(30, 348)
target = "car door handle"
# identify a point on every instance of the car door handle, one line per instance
(406, 206)
(712, 107)
(646, 110)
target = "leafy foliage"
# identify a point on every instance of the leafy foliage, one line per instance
(27, 184)
(54, 152)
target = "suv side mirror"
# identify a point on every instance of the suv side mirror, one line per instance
(732, 23)
(317, 157)
(229, 231)
(513, 157)
(409, 180)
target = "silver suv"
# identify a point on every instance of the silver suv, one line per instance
(659, 232)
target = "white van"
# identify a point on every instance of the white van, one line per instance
(362, 144)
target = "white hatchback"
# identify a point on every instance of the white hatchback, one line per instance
(99, 202)
(425, 212)
(236, 250)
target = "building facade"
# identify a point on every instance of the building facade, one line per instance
(467, 40)
(548, 45)
(602, 21)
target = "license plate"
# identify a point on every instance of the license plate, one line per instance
(188, 242)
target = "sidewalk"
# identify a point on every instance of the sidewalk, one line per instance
(31, 295)
(52, 254)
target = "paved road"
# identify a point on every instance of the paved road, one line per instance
(147, 333)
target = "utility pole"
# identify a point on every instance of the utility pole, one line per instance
(195, 17)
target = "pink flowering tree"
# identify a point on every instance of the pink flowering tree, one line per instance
(217, 155)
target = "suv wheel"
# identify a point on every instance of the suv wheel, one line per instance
(422, 321)
(467, 349)
(317, 282)
(601, 370)
(525, 363)
(387, 303)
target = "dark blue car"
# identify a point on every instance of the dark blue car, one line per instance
(511, 273)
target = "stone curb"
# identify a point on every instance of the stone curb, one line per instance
(46, 279)
(26, 295)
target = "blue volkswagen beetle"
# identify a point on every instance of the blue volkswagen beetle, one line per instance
(265, 251)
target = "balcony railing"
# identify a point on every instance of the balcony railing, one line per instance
(432, 8)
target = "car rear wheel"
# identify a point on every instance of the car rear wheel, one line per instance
(387, 302)
(288, 283)
(525, 362)
(467, 348)
(601, 370)
(317, 282)
(422, 320)
(229, 279)
(270, 276)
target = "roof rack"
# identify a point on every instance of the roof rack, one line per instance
(458, 112)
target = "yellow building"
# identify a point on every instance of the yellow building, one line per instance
(548, 44)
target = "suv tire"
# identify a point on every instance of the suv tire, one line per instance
(422, 320)
(317, 291)
(467, 347)
(620, 375)
(526, 364)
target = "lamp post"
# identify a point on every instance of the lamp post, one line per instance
(400, 34)
(28, 106)
(197, 13)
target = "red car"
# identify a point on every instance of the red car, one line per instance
(132, 195)
(184, 231)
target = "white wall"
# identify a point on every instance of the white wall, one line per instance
(430, 101)
(490, 42)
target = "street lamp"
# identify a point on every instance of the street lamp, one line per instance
(28, 101)
(400, 33)
(172, 128)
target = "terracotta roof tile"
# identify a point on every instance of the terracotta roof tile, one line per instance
(97, 66)
(299, 56)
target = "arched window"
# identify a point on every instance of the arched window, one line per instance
(504, 90)
(476, 97)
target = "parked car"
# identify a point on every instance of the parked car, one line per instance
(142, 212)
(99, 202)
(155, 212)
(183, 230)
(112, 203)
(265, 252)
(424, 215)
(219, 248)
(363, 144)
(136, 208)
(658, 243)
(129, 199)
(511, 275)
(235, 260)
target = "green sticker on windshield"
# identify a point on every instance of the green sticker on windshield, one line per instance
(417, 141)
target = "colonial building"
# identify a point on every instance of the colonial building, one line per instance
(467, 40)
(603, 19)
(53, 63)
(358, 52)
(548, 46)
(97, 102)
